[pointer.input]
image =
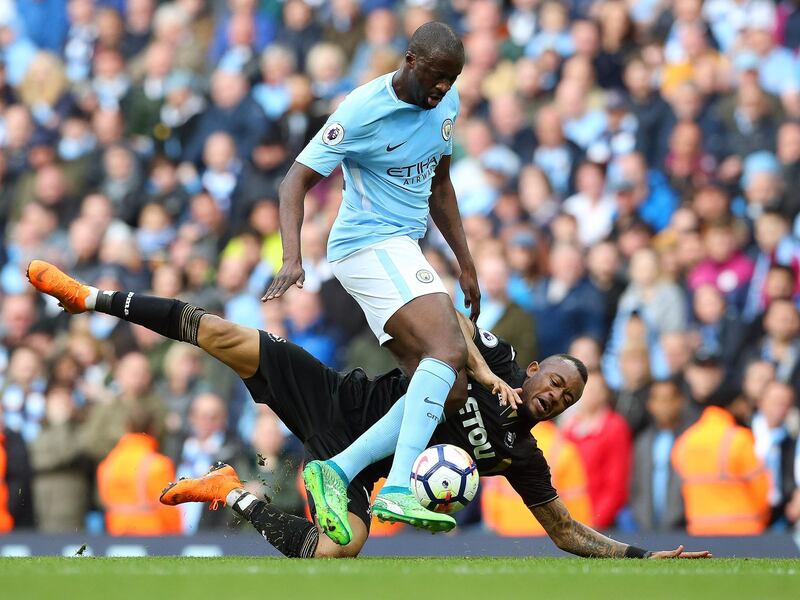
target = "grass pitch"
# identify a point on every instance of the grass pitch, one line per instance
(86, 578)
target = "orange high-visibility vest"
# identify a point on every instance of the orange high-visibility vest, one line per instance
(725, 485)
(130, 480)
(6, 520)
(503, 510)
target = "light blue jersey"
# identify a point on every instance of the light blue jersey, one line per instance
(389, 151)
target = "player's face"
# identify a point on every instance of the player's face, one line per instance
(551, 388)
(432, 78)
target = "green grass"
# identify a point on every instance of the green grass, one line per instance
(238, 578)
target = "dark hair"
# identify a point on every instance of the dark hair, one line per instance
(435, 37)
(785, 269)
(576, 362)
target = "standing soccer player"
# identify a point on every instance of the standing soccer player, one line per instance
(393, 137)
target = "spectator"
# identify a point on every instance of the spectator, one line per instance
(634, 361)
(726, 267)
(499, 314)
(300, 31)
(15, 481)
(232, 110)
(658, 303)
(61, 491)
(307, 327)
(129, 394)
(566, 304)
(138, 26)
(556, 156)
(22, 393)
(650, 110)
(272, 93)
(207, 442)
(775, 445)
(142, 103)
(592, 206)
(655, 486)
(604, 443)
(705, 382)
(44, 90)
(718, 326)
(780, 343)
(774, 246)
(725, 486)
(274, 474)
(131, 478)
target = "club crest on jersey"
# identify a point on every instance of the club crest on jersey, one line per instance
(489, 339)
(424, 276)
(333, 134)
(447, 129)
(511, 437)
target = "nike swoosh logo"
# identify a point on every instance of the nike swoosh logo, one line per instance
(429, 401)
(390, 148)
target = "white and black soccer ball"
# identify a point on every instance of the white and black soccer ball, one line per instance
(444, 478)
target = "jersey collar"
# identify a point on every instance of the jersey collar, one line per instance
(393, 94)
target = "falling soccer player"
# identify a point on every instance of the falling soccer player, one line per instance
(327, 411)
(393, 138)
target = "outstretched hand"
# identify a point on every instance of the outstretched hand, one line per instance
(472, 292)
(291, 273)
(679, 552)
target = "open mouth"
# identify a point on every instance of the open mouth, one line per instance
(542, 405)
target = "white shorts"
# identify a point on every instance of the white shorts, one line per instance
(386, 276)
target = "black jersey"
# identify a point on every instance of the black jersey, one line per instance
(497, 438)
(328, 411)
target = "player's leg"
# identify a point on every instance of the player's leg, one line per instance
(426, 327)
(404, 299)
(292, 536)
(236, 346)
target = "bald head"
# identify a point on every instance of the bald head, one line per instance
(436, 40)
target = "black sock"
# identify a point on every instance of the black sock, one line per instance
(171, 318)
(292, 536)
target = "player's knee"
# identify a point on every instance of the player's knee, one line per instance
(454, 353)
(219, 333)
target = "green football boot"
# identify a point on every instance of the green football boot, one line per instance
(329, 492)
(399, 505)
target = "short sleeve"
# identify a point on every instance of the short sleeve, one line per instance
(447, 129)
(496, 352)
(345, 132)
(531, 480)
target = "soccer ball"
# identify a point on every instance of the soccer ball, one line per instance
(444, 478)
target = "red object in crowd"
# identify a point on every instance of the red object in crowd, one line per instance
(606, 448)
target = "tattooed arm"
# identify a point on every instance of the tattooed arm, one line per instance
(577, 538)
(572, 536)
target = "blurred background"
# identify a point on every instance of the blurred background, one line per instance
(628, 174)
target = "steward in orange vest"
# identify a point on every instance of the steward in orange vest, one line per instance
(130, 480)
(6, 521)
(725, 486)
(503, 510)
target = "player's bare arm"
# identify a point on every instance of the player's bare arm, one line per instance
(291, 194)
(478, 370)
(444, 211)
(576, 538)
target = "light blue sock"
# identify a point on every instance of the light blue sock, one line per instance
(376, 443)
(425, 398)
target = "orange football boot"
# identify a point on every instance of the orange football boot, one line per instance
(49, 279)
(212, 487)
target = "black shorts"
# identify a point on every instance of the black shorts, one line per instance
(323, 408)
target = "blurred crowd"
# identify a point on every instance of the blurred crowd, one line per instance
(628, 173)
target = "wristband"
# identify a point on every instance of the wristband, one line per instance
(634, 552)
